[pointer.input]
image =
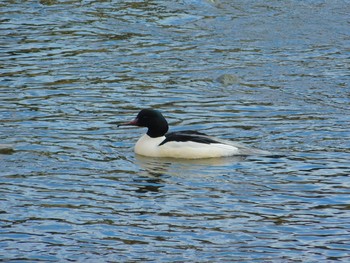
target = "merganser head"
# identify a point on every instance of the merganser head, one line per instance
(153, 120)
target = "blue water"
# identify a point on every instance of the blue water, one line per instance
(271, 74)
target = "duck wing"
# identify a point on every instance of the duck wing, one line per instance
(199, 137)
(188, 135)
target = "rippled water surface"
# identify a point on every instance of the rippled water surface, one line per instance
(272, 74)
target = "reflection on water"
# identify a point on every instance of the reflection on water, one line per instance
(163, 163)
(273, 75)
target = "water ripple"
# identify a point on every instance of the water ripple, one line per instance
(270, 74)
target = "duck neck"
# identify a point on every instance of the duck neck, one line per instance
(158, 131)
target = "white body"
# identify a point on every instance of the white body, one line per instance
(148, 146)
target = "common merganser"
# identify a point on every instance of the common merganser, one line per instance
(182, 144)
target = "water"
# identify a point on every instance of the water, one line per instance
(271, 74)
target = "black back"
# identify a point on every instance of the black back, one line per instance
(185, 136)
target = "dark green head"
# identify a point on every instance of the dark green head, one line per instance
(153, 120)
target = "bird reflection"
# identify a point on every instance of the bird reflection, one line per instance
(156, 165)
(154, 171)
(151, 176)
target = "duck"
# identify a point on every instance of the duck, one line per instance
(186, 144)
